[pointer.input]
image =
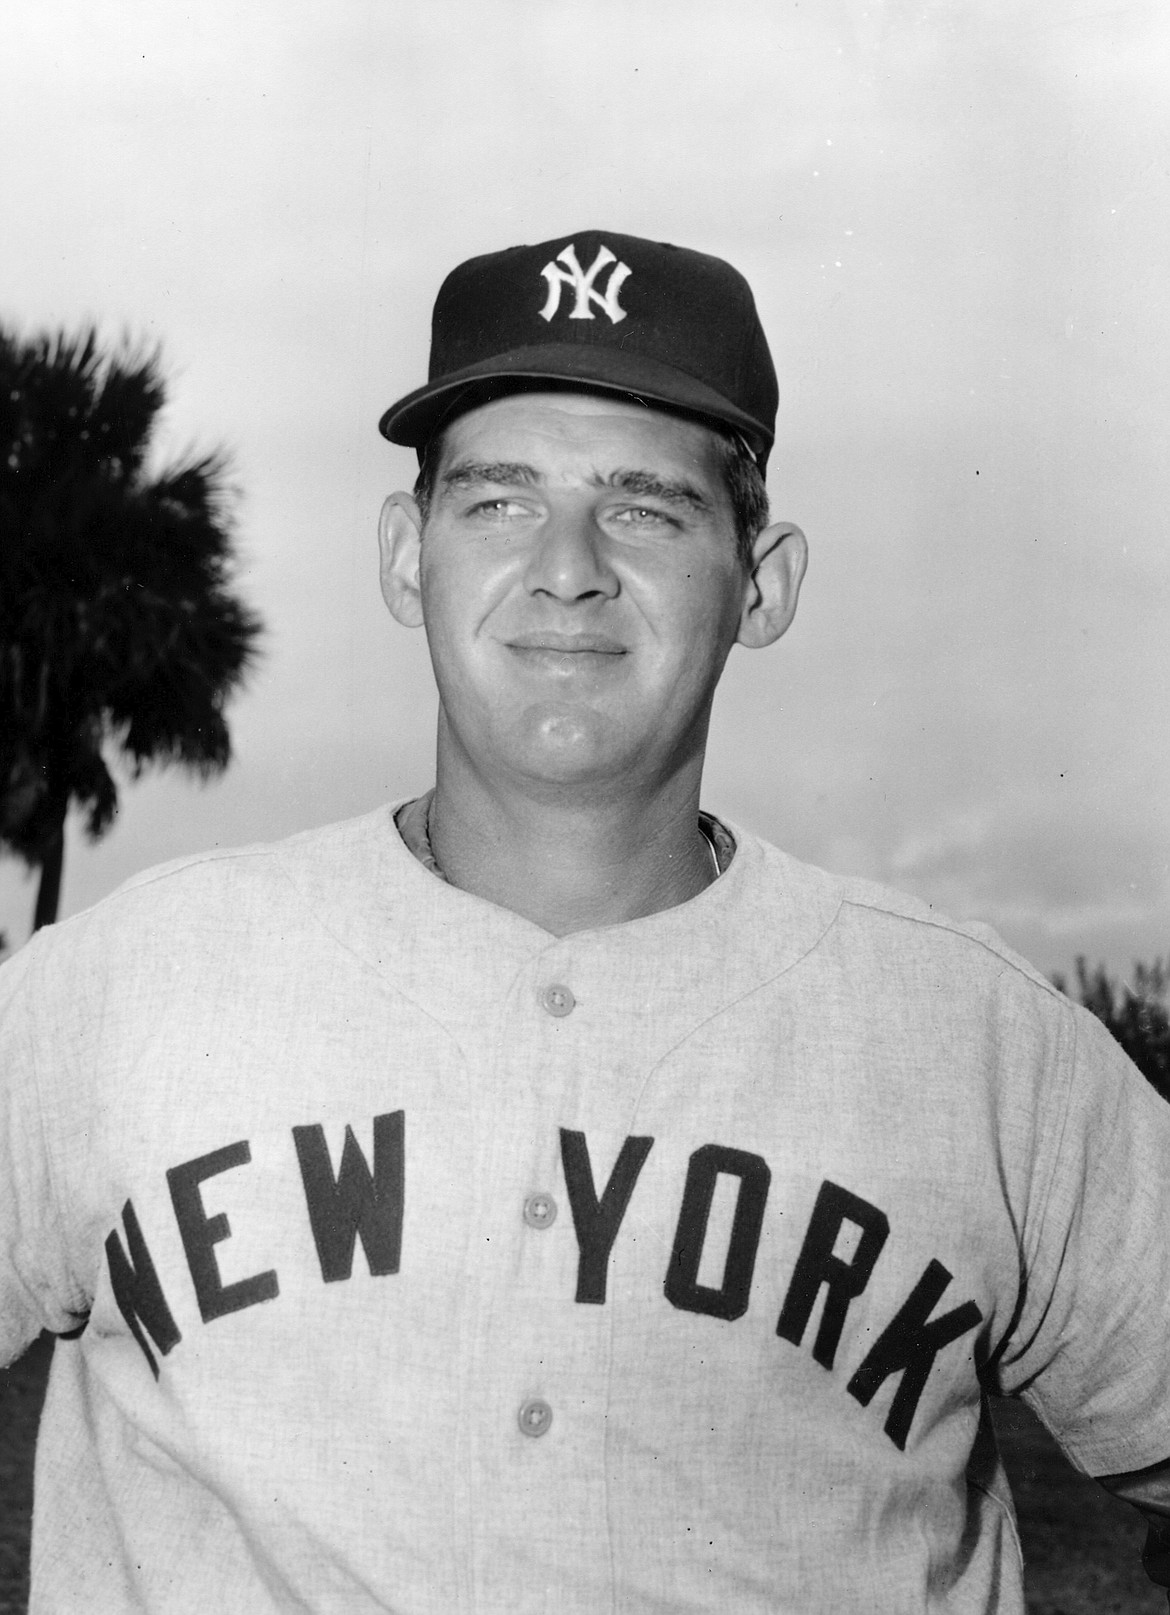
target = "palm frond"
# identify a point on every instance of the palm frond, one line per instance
(119, 624)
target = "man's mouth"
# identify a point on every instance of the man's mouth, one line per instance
(544, 639)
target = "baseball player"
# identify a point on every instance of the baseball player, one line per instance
(540, 1195)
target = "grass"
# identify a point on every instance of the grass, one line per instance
(1082, 1548)
(22, 1390)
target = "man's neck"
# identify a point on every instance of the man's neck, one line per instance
(569, 865)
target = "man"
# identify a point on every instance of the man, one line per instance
(540, 1195)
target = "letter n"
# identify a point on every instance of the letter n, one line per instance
(909, 1345)
(137, 1290)
(817, 1265)
(357, 1203)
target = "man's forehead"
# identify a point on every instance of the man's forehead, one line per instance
(535, 428)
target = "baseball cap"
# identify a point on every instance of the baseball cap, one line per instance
(610, 312)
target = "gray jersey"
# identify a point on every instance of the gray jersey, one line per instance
(433, 1263)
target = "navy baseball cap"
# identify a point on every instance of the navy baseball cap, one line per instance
(609, 312)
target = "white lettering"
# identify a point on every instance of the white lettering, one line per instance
(581, 280)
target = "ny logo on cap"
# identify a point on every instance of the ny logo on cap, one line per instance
(581, 280)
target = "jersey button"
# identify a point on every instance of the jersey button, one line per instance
(558, 1000)
(540, 1211)
(535, 1417)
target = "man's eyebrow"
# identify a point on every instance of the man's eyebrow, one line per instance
(637, 483)
(648, 485)
(502, 473)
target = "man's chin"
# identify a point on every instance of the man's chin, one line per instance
(573, 749)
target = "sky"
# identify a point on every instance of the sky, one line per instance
(956, 220)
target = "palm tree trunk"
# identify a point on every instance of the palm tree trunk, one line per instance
(49, 890)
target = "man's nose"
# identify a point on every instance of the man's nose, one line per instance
(568, 559)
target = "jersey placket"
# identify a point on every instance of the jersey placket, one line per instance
(537, 1381)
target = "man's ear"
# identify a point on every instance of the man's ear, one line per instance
(399, 538)
(779, 558)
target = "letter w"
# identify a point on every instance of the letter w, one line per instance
(357, 1203)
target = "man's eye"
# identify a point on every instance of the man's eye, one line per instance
(643, 516)
(497, 509)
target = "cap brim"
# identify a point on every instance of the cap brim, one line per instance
(412, 421)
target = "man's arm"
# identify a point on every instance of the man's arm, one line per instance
(1088, 1351)
(35, 1288)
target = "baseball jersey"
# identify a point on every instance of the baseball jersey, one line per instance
(435, 1263)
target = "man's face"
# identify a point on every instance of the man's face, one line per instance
(580, 588)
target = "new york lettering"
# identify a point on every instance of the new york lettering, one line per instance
(363, 1203)
(356, 1203)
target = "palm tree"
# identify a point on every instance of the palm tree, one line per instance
(118, 628)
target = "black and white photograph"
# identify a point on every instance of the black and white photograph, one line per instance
(584, 807)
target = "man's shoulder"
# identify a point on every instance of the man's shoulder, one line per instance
(872, 917)
(240, 887)
(342, 841)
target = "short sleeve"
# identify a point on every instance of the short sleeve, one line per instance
(1090, 1352)
(35, 1290)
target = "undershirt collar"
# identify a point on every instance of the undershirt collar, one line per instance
(413, 822)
